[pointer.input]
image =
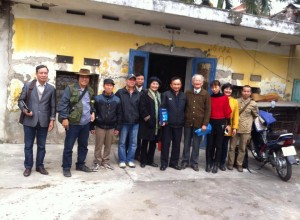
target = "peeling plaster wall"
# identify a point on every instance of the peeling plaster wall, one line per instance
(4, 64)
(37, 41)
(294, 68)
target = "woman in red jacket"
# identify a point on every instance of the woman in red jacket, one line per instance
(220, 122)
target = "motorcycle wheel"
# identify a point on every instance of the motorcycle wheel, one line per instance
(283, 168)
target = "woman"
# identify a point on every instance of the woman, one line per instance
(234, 121)
(220, 122)
(149, 123)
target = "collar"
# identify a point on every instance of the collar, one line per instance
(139, 89)
(108, 96)
(39, 84)
(217, 95)
(197, 90)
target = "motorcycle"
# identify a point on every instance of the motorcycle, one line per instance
(271, 147)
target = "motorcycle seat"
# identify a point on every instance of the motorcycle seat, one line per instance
(273, 136)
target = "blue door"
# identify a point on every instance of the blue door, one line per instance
(206, 67)
(296, 91)
(138, 63)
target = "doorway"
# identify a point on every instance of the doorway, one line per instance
(165, 67)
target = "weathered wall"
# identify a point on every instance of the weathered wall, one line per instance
(4, 64)
(38, 41)
(294, 68)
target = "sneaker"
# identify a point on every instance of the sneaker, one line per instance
(96, 167)
(107, 166)
(122, 165)
(131, 164)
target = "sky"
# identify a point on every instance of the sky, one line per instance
(277, 6)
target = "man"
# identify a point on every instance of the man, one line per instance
(37, 102)
(197, 114)
(174, 101)
(130, 98)
(76, 112)
(248, 111)
(107, 122)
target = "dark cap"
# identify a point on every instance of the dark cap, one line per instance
(129, 76)
(152, 79)
(108, 81)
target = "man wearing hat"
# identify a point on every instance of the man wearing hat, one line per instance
(76, 111)
(107, 123)
(130, 98)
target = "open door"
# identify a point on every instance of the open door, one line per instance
(138, 63)
(207, 68)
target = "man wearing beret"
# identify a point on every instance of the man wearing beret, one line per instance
(76, 111)
(107, 123)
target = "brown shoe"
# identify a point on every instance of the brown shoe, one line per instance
(240, 168)
(27, 172)
(229, 167)
(42, 170)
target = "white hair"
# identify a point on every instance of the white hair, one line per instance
(198, 75)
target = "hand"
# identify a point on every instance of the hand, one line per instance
(93, 132)
(65, 124)
(116, 132)
(51, 126)
(228, 128)
(163, 124)
(203, 128)
(233, 132)
(25, 111)
(93, 117)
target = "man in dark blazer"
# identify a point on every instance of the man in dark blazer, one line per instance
(38, 105)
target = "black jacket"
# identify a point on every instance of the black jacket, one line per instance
(129, 106)
(147, 108)
(108, 112)
(175, 106)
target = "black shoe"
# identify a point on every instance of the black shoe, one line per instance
(163, 168)
(184, 165)
(215, 168)
(84, 168)
(195, 167)
(143, 165)
(67, 172)
(176, 167)
(27, 172)
(208, 168)
(42, 170)
(152, 164)
(222, 167)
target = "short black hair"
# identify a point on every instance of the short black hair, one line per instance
(215, 83)
(40, 67)
(247, 86)
(225, 86)
(138, 74)
(175, 78)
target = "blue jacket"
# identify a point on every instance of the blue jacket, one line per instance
(108, 112)
(175, 106)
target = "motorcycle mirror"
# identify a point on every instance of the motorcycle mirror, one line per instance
(273, 104)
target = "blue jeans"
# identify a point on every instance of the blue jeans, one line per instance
(130, 130)
(81, 133)
(29, 135)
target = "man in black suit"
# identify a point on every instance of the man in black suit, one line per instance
(37, 102)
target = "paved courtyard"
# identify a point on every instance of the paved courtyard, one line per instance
(142, 193)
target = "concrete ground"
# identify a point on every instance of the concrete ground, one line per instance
(142, 193)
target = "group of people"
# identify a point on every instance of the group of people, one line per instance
(133, 113)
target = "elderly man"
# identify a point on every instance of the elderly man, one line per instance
(130, 98)
(37, 103)
(197, 114)
(76, 112)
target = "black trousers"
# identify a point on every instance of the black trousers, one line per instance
(170, 134)
(215, 141)
(147, 153)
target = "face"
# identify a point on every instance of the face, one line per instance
(197, 82)
(246, 92)
(42, 75)
(108, 88)
(227, 91)
(176, 85)
(154, 86)
(130, 83)
(139, 81)
(83, 81)
(215, 89)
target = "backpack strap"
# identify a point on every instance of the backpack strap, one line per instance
(244, 108)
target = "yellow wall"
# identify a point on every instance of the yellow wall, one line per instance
(38, 37)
